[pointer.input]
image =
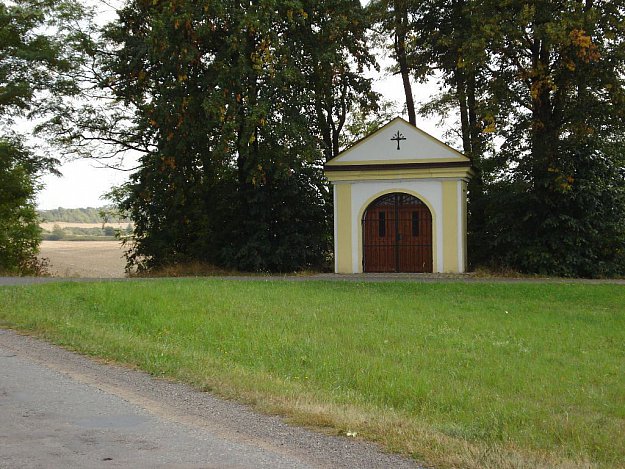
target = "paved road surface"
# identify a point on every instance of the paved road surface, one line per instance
(62, 410)
(396, 277)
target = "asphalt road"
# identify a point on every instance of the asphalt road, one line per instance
(369, 277)
(62, 410)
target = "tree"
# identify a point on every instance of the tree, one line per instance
(449, 39)
(36, 58)
(558, 76)
(335, 52)
(396, 18)
(236, 105)
(38, 44)
(363, 121)
(543, 81)
(19, 228)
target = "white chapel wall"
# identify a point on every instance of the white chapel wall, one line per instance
(364, 192)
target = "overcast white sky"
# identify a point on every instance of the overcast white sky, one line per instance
(83, 183)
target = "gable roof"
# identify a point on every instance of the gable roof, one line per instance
(398, 144)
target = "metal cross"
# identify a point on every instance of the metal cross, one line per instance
(398, 137)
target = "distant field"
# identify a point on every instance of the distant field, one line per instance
(49, 225)
(459, 375)
(95, 259)
(78, 215)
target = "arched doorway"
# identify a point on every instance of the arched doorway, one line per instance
(397, 235)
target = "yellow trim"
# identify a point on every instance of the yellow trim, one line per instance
(455, 173)
(450, 226)
(368, 202)
(343, 228)
(464, 225)
(396, 161)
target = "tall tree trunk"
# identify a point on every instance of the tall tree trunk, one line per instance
(475, 132)
(325, 125)
(401, 27)
(543, 133)
(247, 147)
(461, 95)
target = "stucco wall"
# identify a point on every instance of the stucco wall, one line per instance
(446, 199)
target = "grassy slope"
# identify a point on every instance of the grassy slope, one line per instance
(473, 375)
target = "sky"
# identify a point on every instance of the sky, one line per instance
(84, 182)
(82, 185)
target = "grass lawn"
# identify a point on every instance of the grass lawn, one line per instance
(457, 375)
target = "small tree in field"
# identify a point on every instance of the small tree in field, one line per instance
(20, 234)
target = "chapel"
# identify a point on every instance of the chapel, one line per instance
(400, 203)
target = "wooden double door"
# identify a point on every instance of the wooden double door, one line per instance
(397, 235)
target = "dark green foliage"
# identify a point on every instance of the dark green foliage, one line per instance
(540, 93)
(580, 233)
(563, 121)
(283, 225)
(37, 56)
(19, 225)
(238, 107)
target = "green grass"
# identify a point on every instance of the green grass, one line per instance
(464, 375)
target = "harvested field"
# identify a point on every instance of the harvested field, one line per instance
(95, 259)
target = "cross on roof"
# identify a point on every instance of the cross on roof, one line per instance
(398, 137)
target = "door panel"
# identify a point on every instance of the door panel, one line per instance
(415, 243)
(397, 235)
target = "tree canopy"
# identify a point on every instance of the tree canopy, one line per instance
(19, 227)
(37, 60)
(240, 104)
(234, 107)
(538, 88)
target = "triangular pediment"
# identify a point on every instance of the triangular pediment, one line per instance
(398, 142)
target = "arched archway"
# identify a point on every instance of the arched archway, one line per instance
(397, 235)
